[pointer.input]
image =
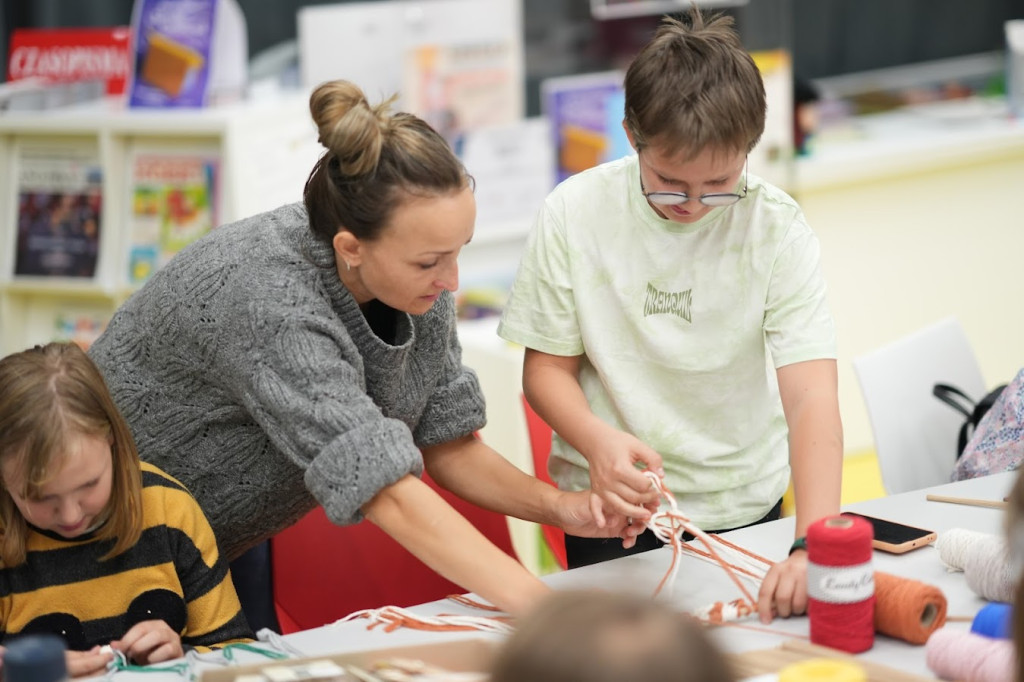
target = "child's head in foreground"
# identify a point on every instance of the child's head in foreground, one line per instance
(593, 636)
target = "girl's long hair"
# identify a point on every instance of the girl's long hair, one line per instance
(49, 396)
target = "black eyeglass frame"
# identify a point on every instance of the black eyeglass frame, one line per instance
(713, 199)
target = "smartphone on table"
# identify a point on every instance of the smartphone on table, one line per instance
(894, 537)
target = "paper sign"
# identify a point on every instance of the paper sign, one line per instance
(71, 55)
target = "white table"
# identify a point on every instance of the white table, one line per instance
(699, 583)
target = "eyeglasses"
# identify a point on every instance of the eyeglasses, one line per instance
(678, 198)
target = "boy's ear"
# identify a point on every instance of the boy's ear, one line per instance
(629, 135)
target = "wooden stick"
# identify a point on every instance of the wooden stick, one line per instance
(994, 504)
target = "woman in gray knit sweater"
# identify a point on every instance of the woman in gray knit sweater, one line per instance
(309, 355)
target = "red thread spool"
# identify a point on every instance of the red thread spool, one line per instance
(841, 583)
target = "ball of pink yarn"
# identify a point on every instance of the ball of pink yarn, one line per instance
(955, 655)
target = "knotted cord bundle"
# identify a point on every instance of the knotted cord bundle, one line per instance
(668, 525)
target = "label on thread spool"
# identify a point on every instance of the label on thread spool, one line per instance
(841, 585)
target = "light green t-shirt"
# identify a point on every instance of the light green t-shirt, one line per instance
(679, 327)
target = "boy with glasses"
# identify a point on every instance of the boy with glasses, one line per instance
(674, 316)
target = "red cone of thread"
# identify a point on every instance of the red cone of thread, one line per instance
(840, 583)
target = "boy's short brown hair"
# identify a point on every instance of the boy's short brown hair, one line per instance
(694, 87)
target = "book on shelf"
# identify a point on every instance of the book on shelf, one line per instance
(58, 215)
(187, 54)
(173, 197)
(585, 112)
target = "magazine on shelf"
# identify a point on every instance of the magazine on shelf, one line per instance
(59, 201)
(187, 54)
(585, 111)
(173, 199)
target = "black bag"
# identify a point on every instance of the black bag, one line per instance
(962, 403)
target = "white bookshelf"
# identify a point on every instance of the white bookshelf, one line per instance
(266, 150)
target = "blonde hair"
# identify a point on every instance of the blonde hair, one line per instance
(695, 87)
(374, 158)
(592, 636)
(48, 396)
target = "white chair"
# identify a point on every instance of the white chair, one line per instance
(915, 432)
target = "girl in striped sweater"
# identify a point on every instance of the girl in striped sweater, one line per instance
(95, 546)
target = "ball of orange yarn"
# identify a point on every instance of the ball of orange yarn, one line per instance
(907, 609)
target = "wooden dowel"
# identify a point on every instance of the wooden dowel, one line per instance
(994, 504)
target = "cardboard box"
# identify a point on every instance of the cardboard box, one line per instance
(461, 656)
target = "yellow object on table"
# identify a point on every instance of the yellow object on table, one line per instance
(821, 669)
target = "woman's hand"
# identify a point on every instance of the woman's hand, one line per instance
(575, 516)
(87, 663)
(621, 487)
(150, 641)
(784, 590)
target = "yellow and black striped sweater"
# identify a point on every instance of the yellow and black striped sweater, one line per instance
(174, 573)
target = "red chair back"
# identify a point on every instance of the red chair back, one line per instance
(540, 444)
(323, 572)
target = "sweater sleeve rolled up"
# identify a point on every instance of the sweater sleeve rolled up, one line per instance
(456, 406)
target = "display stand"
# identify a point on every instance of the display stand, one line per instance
(263, 153)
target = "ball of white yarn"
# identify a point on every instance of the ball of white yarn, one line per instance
(983, 559)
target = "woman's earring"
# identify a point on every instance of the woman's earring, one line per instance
(348, 266)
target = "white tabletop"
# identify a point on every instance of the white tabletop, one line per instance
(699, 584)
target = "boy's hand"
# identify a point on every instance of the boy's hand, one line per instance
(150, 641)
(614, 477)
(784, 590)
(87, 663)
(575, 517)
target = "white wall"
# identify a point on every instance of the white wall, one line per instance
(902, 251)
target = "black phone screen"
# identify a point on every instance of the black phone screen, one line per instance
(891, 532)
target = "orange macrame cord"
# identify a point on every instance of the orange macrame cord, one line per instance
(668, 525)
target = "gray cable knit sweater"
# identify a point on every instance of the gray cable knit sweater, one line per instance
(247, 371)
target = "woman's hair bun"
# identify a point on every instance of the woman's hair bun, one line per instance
(348, 126)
